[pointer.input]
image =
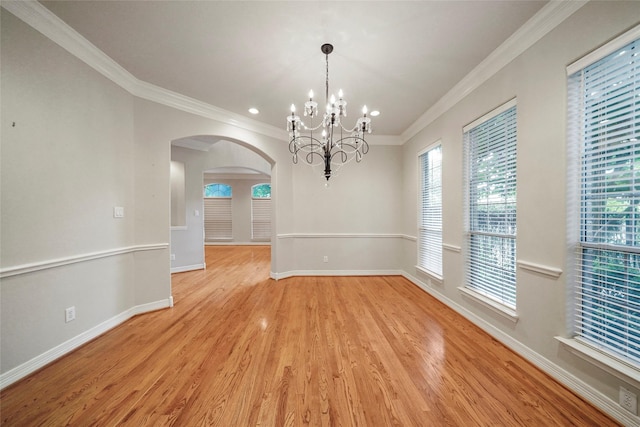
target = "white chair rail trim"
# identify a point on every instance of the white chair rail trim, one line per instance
(452, 248)
(44, 265)
(540, 269)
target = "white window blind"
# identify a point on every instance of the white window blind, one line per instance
(490, 147)
(430, 228)
(217, 218)
(260, 219)
(604, 120)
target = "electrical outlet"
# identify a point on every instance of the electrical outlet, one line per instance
(69, 314)
(326, 259)
(628, 401)
(173, 257)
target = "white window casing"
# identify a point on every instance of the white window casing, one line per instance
(604, 198)
(430, 215)
(490, 187)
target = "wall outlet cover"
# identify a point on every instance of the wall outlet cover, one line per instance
(628, 400)
(69, 314)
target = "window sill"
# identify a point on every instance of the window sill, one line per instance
(622, 370)
(494, 306)
(431, 275)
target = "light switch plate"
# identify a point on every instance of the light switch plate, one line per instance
(118, 212)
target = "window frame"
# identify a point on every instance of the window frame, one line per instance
(204, 190)
(425, 261)
(583, 343)
(256, 203)
(220, 205)
(470, 288)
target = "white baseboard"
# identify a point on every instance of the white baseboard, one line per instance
(561, 375)
(187, 268)
(49, 356)
(256, 243)
(297, 273)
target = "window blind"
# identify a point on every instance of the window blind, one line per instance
(217, 218)
(430, 228)
(261, 219)
(490, 146)
(604, 114)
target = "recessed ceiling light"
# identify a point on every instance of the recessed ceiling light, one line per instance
(375, 113)
(253, 110)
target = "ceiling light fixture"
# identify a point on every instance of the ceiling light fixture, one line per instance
(254, 110)
(336, 145)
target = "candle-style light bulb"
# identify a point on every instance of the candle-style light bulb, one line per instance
(340, 94)
(311, 95)
(293, 108)
(364, 110)
(332, 100)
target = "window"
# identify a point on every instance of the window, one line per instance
(217, 190)
(217, 212)
(261, 191)
(490, 148)
(261, 212)
(430, 227)
(604, 128)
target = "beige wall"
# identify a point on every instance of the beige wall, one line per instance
(67, 162)
(537, 78)
(82, 145)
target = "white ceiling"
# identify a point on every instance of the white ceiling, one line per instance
(398, 57)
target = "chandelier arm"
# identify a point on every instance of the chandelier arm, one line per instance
(300, 143)
(342, 153)
(309, 156)
(364, 145)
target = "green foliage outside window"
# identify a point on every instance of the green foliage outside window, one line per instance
(217, 190)
(261, 191)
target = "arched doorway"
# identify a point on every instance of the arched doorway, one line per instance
(202, 158)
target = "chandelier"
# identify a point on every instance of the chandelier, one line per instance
(328, 142)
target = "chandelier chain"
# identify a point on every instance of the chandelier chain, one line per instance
(326, 82)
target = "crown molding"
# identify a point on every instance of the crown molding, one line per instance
(52, 27)
(181, 102)
(46, 22)
(548, 18)
(56, 30)
(376, 139)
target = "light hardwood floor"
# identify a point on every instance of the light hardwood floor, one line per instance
(239, 349)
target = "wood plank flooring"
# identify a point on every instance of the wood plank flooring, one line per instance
(239, 349)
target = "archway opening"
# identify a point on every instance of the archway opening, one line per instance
(210, 159)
